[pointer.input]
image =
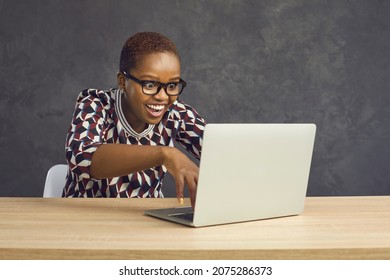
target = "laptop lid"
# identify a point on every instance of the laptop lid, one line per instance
(250, 172)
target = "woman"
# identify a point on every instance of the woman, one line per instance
(120, 142)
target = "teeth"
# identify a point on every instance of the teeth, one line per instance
(156, 107)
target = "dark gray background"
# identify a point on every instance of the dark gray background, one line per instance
(325, 62)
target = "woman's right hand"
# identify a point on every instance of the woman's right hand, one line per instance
(184, 171)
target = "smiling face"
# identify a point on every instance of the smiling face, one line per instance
(141, 109)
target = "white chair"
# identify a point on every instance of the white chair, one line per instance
(55, 180)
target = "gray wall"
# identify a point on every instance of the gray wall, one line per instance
(317, 61)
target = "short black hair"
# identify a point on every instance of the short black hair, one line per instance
(144, 43)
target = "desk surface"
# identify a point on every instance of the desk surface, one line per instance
(329, 228)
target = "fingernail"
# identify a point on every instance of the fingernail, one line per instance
(181, 201)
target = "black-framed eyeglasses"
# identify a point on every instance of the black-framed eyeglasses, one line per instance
(154, 87)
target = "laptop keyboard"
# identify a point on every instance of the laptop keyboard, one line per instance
(185, 216)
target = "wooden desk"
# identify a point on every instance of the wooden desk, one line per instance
(329, 228)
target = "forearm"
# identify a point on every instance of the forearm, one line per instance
(113, 160)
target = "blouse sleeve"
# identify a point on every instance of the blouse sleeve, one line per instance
(85, 132)
(190, 134)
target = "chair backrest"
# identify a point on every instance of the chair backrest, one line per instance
(55, 180)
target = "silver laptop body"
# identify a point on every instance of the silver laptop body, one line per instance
(249, 172)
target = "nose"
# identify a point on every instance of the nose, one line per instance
(162, 93)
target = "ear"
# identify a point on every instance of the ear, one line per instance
(120, 80)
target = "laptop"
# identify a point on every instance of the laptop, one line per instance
(248, 172)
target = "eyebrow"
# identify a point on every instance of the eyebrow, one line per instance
(150, 77)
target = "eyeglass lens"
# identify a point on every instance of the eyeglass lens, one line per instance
(155, 87)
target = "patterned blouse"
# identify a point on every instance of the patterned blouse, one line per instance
(99, 119)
